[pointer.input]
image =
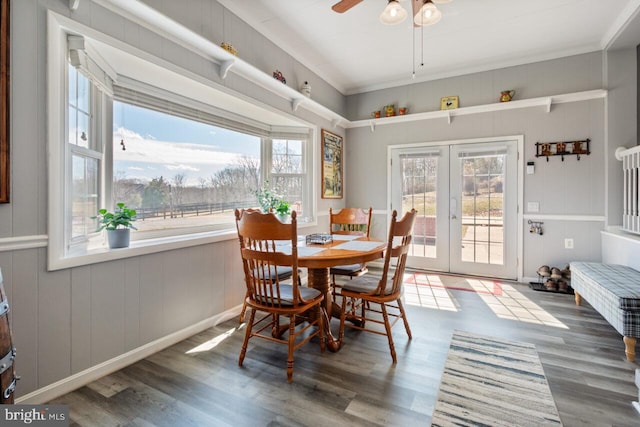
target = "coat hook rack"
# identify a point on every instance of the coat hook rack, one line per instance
(563, 148)
(535, 227)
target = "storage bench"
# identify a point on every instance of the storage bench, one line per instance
(614, 291)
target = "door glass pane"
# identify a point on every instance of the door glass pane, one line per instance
(419, 191)
(482, 209)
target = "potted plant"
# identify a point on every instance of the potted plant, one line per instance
(283, 210)
(118, 225)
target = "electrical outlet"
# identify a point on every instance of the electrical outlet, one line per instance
(568, 243)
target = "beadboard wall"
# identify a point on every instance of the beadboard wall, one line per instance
(74, 323)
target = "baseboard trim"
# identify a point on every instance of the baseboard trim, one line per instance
(66, 385)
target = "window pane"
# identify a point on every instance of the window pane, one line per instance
(180, 173)
(287, 156)
(73, 81)
(84, 195)
(290, 188)
(82, 130)
(83, 93)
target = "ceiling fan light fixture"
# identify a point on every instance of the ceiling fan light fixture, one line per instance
(393, 13)
(427, 15)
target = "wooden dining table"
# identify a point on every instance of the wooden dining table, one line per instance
(319, 258)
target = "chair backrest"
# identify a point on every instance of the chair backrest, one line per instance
(398, 250)
(350, 221)
(268, 246)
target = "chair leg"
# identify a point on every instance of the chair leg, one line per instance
(292, 341)
(244, 308)
(387, 327)
(247, 335)
(404, 318)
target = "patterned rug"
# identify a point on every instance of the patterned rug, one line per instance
(489, 381)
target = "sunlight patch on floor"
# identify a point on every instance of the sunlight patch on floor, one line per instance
(213, 342)
(436, 297)
(511, 304)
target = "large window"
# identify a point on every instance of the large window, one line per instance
(179, 151)
(181, 173)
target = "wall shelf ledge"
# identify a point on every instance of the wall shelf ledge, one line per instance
(545, 101)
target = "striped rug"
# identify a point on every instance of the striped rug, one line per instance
(489, 381)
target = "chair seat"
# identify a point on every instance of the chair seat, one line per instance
(284, 273)
(286, 294)
(349, 270)
(366, 284)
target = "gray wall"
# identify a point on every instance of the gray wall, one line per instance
(564, 189)
(69, 320)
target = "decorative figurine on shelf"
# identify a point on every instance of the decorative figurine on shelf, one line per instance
(402, 111)
(305, 89)
(278, 76)
(507, 95)
(376, 114)
(229, 48)
(389, 110)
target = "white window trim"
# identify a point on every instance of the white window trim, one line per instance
(58, 29)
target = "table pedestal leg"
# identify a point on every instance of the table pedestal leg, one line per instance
(319, 279)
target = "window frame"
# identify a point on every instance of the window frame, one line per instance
(59, 257)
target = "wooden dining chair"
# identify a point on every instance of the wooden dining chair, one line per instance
(267, 247)
(352, 221)
(284, 273)
(363, 295)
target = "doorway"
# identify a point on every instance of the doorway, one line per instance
(467, 196)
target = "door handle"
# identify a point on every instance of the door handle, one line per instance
(453, 208)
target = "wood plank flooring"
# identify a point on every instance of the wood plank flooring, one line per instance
(198, 382)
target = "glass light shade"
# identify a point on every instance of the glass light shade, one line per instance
(393, 13)
(427, 15)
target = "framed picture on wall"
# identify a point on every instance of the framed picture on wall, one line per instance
(4, 101)
(332, 172)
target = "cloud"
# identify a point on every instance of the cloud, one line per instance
(182, 168)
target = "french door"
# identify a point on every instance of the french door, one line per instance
(466, 197)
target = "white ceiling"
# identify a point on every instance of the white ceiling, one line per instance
(356, 53)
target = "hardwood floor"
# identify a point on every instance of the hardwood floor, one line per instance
(198, 382)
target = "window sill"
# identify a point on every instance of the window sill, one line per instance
(81, 257)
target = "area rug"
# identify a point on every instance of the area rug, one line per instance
(489, 381)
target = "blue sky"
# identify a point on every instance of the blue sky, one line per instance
(159, 144)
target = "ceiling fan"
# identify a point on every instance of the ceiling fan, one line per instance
(424, 12)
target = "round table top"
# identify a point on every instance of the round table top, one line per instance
(340, 252)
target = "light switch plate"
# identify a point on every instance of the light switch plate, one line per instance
(533, 206)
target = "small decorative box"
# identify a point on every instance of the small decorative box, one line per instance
(319, 239)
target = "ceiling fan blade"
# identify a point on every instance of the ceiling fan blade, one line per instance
(344, 5)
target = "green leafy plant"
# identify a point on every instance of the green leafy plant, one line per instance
(283, 207)
(269, 200)
(121, 217)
